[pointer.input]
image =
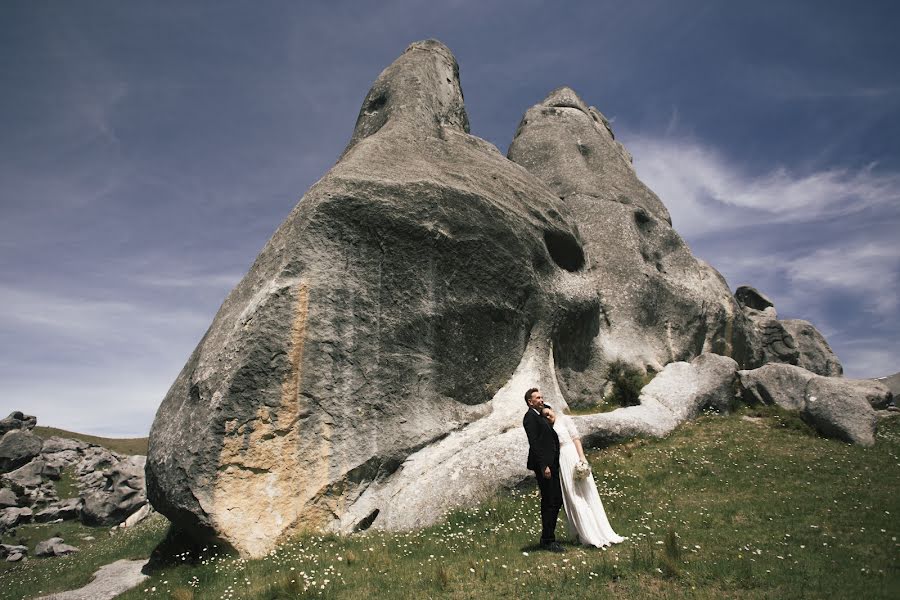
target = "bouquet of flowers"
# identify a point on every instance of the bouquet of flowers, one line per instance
(582, 470)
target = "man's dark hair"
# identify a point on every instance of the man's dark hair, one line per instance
(529, 393)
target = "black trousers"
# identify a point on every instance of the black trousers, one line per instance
(551, 502)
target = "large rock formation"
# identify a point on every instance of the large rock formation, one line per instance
(368, 371)
(658, 302)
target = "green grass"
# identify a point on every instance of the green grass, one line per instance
(38, 576)
(723, 508)
(120, 445)
(67, 484)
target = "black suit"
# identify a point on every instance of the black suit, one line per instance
(543, 451)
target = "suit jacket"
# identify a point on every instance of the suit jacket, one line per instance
(543, 444)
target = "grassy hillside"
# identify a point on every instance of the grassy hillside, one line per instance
(726, 507)
(120, 445)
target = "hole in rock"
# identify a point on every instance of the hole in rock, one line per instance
(367, 521)
(377, 102)
(564, 250)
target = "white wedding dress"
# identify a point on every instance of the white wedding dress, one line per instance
(584, 510)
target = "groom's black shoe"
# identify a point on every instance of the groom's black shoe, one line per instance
(553, 547)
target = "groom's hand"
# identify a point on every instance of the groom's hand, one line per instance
(547, 474)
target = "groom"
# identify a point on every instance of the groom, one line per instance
(543, 459)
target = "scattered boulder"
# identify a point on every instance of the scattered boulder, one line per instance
(8, 498)
(122, 493)
(17, 447)
(56, 444)
(54, 546)
(17, 420)
(836, 407)
(11, 553)
(67, 509)
(775, 383)
(815, 354)
(14, 516)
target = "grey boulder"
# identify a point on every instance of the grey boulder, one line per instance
(750, 297)
(836, 407)
(54, 546)
(17, 420)
(67, 509)
(814, 352)
(13, 516)
(8, 498)
(12, 553)
(121, 493)
(56, 444)
(17, 447)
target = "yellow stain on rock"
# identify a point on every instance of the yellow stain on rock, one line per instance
(266, 474)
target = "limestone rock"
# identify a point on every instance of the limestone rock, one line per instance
(658, 303)
(841, 411)
(67, 509)
(17, 420)
(109, 582)
(12, 553)
(12, 517)
(8, 498)
(774, 383)
(122, 493)
(750, 297)
(836, 407)
(17, 447)
(384, 314)
(54, 546)
(137, 516)
(56, 444)
(814, 352)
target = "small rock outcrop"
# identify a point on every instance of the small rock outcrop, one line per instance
(54, 546)
(120, 494)
(836, 407)
(791, 341)
(17, 420)
(17, 447)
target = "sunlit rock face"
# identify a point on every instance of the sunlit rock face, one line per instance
(658, 303)
(386, 312)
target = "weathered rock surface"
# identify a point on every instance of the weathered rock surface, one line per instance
(384, 313)
(750, 297)
(814, 352)
(658, 303)
(54, 546)
(380, 344)
(8, 498)
(13, 516)
(12, 553)
(109, 581)
(121, 494)
(67, 509)
(17, 420)
(675, 395)
(17, 447)
(836, 407)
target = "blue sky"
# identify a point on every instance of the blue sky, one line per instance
(149, 150)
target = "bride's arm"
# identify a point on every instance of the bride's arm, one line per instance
(577, 442)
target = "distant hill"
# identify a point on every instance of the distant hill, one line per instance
(119, 445)
(893, 383)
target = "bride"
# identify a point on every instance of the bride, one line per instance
(584, 510)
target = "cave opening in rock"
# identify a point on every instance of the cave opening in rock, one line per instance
(564, 250)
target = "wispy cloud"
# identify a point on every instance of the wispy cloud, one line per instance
(705, 191)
